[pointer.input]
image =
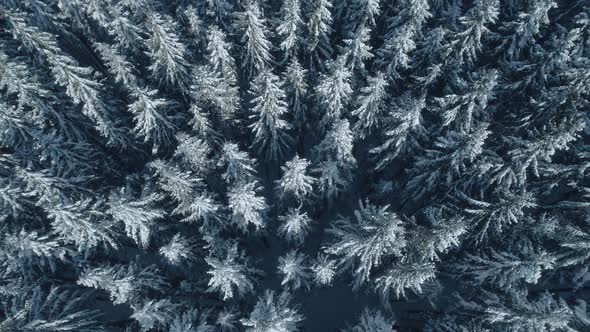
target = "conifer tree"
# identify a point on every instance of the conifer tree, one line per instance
(296, 89)
(219, 50)
(363, 244)
(370, 104)
(295, 182)
(255, 34)
(231, 274)
(292, 267)
(269, 106)
(167, 53)
(246, 206)
(295, 225)
(273, 313)
(290, 23)
(372, 321)
(334, 92)
(319, 28)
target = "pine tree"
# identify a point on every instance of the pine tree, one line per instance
(125, 284)
(363, 244)
(294, 270)
(319, 21)
(83, 223)
(370, 105)
(335, 160)
(517, 312)
(138, 215)
(506, 268)
(191, 319)
(151, 117)
(295, 182)
(227, 320)
(213, 89)
(463, 111)
(465, 45)
(59, 309)
(363, 12)
(337, 145)
(334, 92)
(118, 65)
(269, 106)
(373, 321)
(168, 54)
(522, 32)
(290, 23)
(404, 276)
(273, 313)
(295, 225)
(239, 167)
(394, 54)
(219, 50)
(153, 314)
(247, 207)
(296, 89)
(323, 270)
(357, 51)
(23, 251)
(194, 151)
(447, 161)
(255, 34)
(175, 182)
(178, 250)
(77, 80)
(440, 234)
(231, 274)
(509, 209)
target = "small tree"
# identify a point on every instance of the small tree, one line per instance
(319, 21)
(334, 92)
(138, 215)
(231, 275)
(247, 207)
(273, 314)
(294, 270)
(506, 268)
(125, 284)
(239, 165)
(335, 160)
(403, 276)
(373, 321)
(269, 108)
(252, 27)
(370, 105)
(168, 54)
(364, 243)
(178, 250)
(323, 270)
(295, 182)
(290, 23)
(296, 88)
(294, 225)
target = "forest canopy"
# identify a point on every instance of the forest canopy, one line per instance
(294, 165)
